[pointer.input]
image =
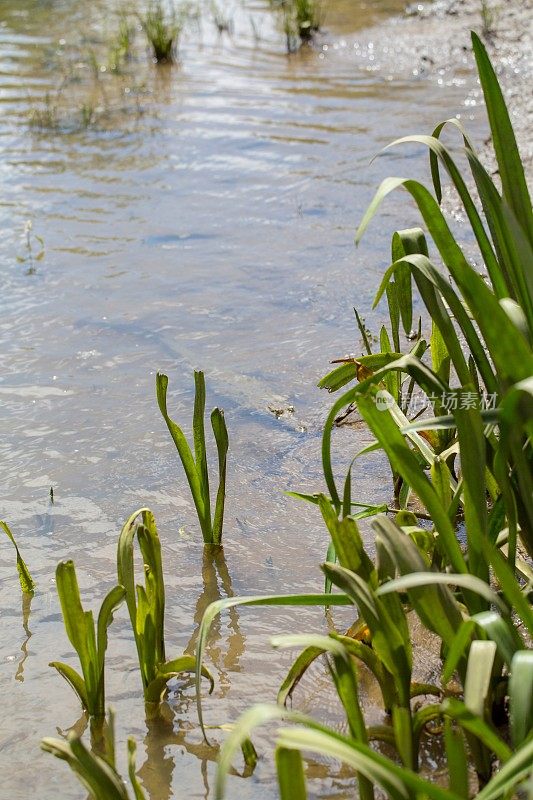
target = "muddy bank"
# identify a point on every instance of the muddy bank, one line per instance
(431, 42)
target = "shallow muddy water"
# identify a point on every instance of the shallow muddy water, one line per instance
(204, 219)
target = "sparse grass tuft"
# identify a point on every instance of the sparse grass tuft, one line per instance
(488, 19)
(121, 46)
(46, 116)
(31, 255)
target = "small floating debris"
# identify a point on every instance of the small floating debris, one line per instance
(280, 411)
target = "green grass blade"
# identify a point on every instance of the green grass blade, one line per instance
(100, 778)
(338, 377)
(398, 783)
(317, 641)
(479, 676)
(150, 547)
(345, 679)
(291, 777)
(172, 669)
(220, 431)
(473, 465)
(470, 582)
(348, 543)
(371, 660)
(512, 772)
(405, 463)
(105, 617)
(185, 454)
(408, 363)
(510, 167)
(200, 455)
(137, 789)
(363, 332)
(511, 355)
(394, 314)
(490, 416)
(405, 242)
(501, 631)
(27, 583)
(387, 623)
(350, 371)
(126, 578)
(426, 276)
(456, 649)
(521, 696)
(296, 672)
(74, 680)
(511, 589)
(241, 732)
(434, 603)
(487, 252)
(433, 159)
(474, 725)
(79, 626)
(457, 759)
(515, 251)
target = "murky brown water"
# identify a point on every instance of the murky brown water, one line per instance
(212, 230)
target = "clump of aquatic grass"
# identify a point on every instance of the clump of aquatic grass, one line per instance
(484, 648)
(146, 605)
(195, 466)
(27, 583)
(301, 20)
(89, 644)
(495, 319)
(162, 32)
(308, 17)
(477, 469)
(98, 774)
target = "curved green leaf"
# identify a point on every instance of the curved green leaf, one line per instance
(27, 583)
(74, 680)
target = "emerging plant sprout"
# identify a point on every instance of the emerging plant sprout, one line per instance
(146, 606)
(90, 645)
(195, 466)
